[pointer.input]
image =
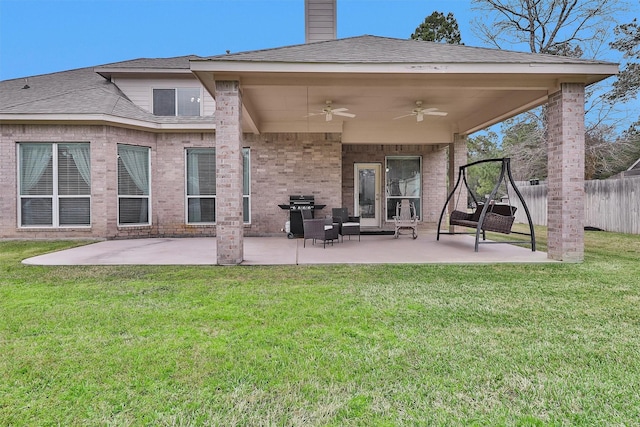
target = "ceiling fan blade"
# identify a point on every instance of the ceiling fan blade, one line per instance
(328, 117)
(420, 112)
(333, 110)
(406, 115)
(341, 113)
(433, 112)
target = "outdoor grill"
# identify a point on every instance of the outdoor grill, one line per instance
(296, 205)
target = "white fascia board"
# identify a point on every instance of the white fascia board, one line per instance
(104, 119)
(108, 71)
(533, 104)
(237, 67)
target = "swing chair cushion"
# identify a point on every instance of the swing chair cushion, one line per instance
(461, 216)
(497, 223)
(499, 218)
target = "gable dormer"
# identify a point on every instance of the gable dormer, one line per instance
(164, 87)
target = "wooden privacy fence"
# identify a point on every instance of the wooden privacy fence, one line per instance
(611, 205)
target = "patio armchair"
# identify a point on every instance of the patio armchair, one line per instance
(319, 229)
(406, 218)
(347, 225)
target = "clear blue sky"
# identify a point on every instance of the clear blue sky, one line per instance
(45, 36)
(42, 36)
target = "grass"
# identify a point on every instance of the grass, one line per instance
(513, 345)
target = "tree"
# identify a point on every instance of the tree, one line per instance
(438, 28)
(524, 140)
(484, 146)
(605, 154)
(627, 86)
(482, 178)
(546, 26)
(559, 27)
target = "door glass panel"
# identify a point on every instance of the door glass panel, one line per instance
(403, 181)
(367, 192)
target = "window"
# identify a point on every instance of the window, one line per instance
(176, 102)
(133, 185)
(54, 182)
(201, 186)
(403, 180)
(246, 186)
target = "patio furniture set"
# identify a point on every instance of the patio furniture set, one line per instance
(341, 224)
(330, 228)
(491, 214)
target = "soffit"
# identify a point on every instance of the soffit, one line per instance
(283, 102)
(379, 79)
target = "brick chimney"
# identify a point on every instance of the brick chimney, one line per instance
(320, 20)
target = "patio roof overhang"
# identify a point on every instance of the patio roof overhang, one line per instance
(279, 96)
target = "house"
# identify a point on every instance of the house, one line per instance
(633, 170)
(194, 146)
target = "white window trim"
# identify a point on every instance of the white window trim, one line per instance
(187, 196)
(54, 197)
(186, 209)
(247, 196)
(387, 197)
(147, 196)
(175, 99)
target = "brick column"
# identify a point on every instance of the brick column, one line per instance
(457, 158)
(565, 198)
(229, 225)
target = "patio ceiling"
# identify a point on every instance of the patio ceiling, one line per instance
(279, 92)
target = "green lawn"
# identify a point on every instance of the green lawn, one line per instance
(514, 345)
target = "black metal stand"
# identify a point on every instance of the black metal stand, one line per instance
(505, 171)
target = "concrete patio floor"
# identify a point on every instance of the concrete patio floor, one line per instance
(372, 249)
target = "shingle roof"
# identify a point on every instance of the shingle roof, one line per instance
(86, 91)
(176, 63)
(374, 49)
(80, 91)
(75, 91)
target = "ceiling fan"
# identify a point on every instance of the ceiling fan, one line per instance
(329, 112)
(420, 112)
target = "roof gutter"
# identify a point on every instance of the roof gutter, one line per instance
(108, 72)
(105, 119)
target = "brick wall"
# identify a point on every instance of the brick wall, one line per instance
(8, 178)
(97, 136)
(281, 165)
(285, 164)
(229, 143)
(434, 170)
(565, 179)
(167, 180)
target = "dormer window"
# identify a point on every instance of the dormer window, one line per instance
(177, 102)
